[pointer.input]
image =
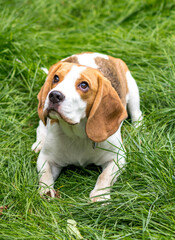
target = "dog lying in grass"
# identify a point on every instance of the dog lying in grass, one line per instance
(82, 104)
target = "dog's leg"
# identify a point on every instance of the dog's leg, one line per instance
(40, 137)
(110, 171)
(48, 173)
(133, 100)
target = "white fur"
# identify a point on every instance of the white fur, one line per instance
(41, 135)
(88, 59)
(67, 144)
(133, 100)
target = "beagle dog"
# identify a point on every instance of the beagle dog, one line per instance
(82, 106)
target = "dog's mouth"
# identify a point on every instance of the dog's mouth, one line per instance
(53, 109)
(54, 112)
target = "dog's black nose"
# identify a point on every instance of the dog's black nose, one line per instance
(56, 97)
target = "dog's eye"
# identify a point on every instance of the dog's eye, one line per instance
(56, 79)
(84, 86)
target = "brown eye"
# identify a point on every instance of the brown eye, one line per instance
(84, 86)
(56, 79)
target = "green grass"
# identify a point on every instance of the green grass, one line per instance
(35, 34)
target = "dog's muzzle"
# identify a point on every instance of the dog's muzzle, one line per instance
(56, 97)
(53, 108)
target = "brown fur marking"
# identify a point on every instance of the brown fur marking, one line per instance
(92, 79)
(111, 69)
(72, 59)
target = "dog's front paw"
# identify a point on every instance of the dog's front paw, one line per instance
(36, 147)
(99, 195)
(48, 192)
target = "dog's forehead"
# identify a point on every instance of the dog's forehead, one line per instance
(69, 74)
(74, 73)
(64, 68)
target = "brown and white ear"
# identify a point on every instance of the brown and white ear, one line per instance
(41, 106)
(42, 97)
(44, 91)
(106, 114)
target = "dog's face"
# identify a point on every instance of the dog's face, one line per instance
(73, 92)
(70, 94)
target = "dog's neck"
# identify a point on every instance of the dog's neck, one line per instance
(74, 130)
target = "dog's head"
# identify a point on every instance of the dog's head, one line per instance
(72, 92)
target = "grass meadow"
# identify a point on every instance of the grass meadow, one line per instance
(35, 34)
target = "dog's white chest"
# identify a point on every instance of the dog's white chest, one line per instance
(66, 149)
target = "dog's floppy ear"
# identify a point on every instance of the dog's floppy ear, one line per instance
(106, 114)
(44, 91)
(41, 105)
